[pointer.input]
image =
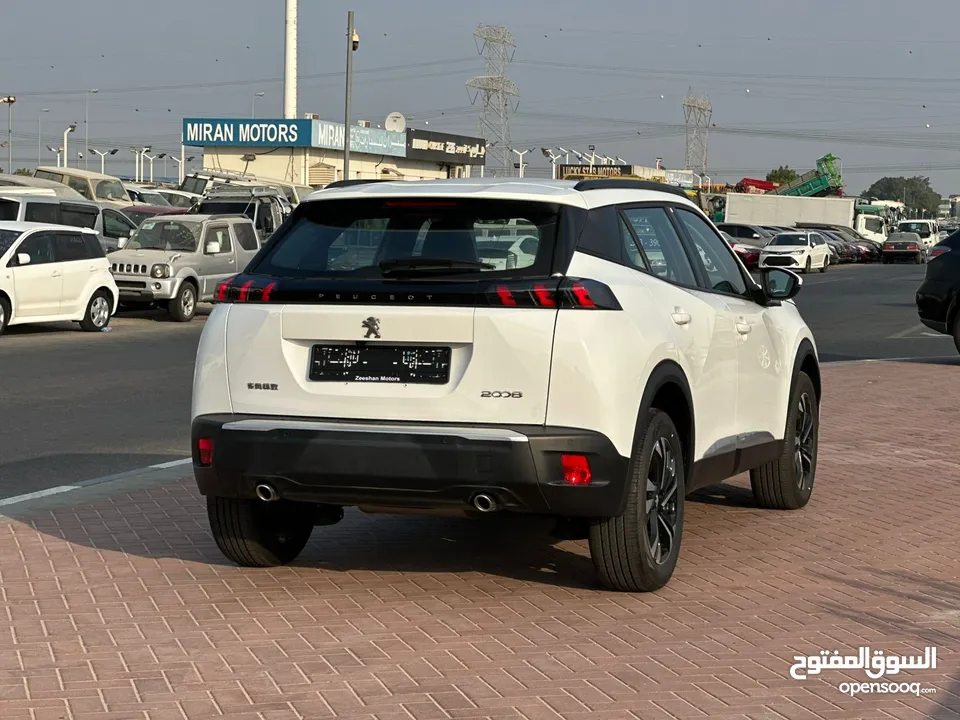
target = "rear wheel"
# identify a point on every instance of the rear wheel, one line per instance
(4, 314)
(787, 483)
(184, 306)
(254, 533)
(97, 315)
(637, 551)
(826, 262)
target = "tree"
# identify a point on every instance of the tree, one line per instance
(914, 192)
(783, 175)
(24, 171)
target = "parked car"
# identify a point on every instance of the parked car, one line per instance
(265, 206)
(844, 250)
(906, 246)
(179, 198)
(938, 297)
(178, 260)
(53, 273)
(747, 234)
(801, 250)
(145, 196)
(109, 224)
(28, 184)
(926, 229)
(138, 213)
(104, 189)
(563, 388)
(868, 252)
(748, 254)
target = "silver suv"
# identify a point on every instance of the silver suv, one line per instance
(178, 260)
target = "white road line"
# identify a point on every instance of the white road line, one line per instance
(909, 331)
(38, 494)
(170, 464)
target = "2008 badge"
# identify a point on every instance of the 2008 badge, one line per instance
(501, 394)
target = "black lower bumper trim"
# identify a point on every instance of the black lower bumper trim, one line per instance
(392, 468)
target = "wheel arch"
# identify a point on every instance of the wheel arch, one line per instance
(667, 389)
(114, 296)
(806, 361)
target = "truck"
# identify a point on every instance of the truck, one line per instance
(769, 209)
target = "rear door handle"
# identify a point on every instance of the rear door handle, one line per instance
(743, 327)
(680, 317)
(55, 273)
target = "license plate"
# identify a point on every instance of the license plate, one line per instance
(377, 363)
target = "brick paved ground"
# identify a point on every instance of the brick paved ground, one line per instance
(122, 608)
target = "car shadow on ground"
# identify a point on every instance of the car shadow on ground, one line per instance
(159, 313)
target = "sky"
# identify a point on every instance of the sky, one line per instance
(871, 82)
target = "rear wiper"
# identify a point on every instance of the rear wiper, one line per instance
(414, 266)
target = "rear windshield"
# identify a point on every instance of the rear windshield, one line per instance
(193, 185)
(221, 207)
(356, 237)
(789, 240)
(9, 210)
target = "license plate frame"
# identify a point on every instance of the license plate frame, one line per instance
(378, 363)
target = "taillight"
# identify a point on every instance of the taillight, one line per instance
(939, 250)
(229, 291)
(888, 246)
(565, 294)
(205, 450)
(576, 469)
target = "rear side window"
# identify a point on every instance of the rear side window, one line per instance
(94, 248)
(78, 215)
(47, 175)
(70, 247)
(363, 237)
(661, 245)
(80, 185)
(9, 210)
(42, 213)
(246, 236)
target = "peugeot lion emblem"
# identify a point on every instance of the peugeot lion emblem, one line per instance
(372, 326)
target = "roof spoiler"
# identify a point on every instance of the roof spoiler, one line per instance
(348, 183)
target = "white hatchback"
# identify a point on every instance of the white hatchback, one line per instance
(53, 273)
(804, 251)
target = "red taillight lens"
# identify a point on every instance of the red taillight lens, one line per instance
(576, 469)
(565, 294)
(265, 295)
(240, 290)
(911, 247)
(888, 247)
(938, 251)
(244, 290)
(205, 450)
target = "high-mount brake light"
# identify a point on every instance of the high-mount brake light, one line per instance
(553, 293)
(419, 203)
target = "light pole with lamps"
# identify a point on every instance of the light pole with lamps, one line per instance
(86, 119)
(353, 42)
(553, 158)
(103, 156)
(9, 100)
(66, 157)
(179, 163)
(40, 135)
(151, 158)
(136, 156)
(143, 167)
(253, 103)
(521, 153)
(52, 149)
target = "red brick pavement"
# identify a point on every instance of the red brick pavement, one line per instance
(122, 608)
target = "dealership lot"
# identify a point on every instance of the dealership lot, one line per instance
(117, 604)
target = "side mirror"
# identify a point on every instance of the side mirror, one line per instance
(780, 284)
(121, 242)
(212, 248)
(756, 236)
(23, 258)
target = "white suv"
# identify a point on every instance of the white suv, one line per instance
(371, 356)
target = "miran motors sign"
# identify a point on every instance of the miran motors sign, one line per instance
(234, 132)
(370, 141)
(600, 170)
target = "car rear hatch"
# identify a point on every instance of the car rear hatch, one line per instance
(376, 309)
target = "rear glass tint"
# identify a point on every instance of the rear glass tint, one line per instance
(352, 237)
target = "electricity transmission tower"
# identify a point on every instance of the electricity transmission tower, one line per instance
(497, 45)
(697, 113)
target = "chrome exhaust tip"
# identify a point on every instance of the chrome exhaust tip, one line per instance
(484, 503)
(267, 493)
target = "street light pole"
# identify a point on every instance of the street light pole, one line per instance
(353, 42)
(9, 100)
(103, 157)
(86, 120)
(521, 154)
(253, 104)
(66, 156)
(40, 136)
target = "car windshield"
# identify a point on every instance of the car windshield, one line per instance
(166, 235)
(789, 239)
(914, 227)
(110, 190)
(154, 198)
(195, 185)
(436, 236)
(7, 238)
(225, 207)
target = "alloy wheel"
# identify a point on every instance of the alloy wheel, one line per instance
(99, 311)
(803, 443)
(661, 501)
(187, 302)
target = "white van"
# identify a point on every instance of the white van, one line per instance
(928, 230)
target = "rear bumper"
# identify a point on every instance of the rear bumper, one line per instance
(408, 465)
(901, 254)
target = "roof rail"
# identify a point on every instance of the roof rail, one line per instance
(628, 184)
(348, 183)
(225, 216)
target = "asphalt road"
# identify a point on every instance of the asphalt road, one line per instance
(78, 406)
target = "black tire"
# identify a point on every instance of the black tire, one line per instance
(826, 263)
(183, 307)
(806, 268)
(5, 311)
(253, 533)
(778, 485)
(97, 315)
(621, 546)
